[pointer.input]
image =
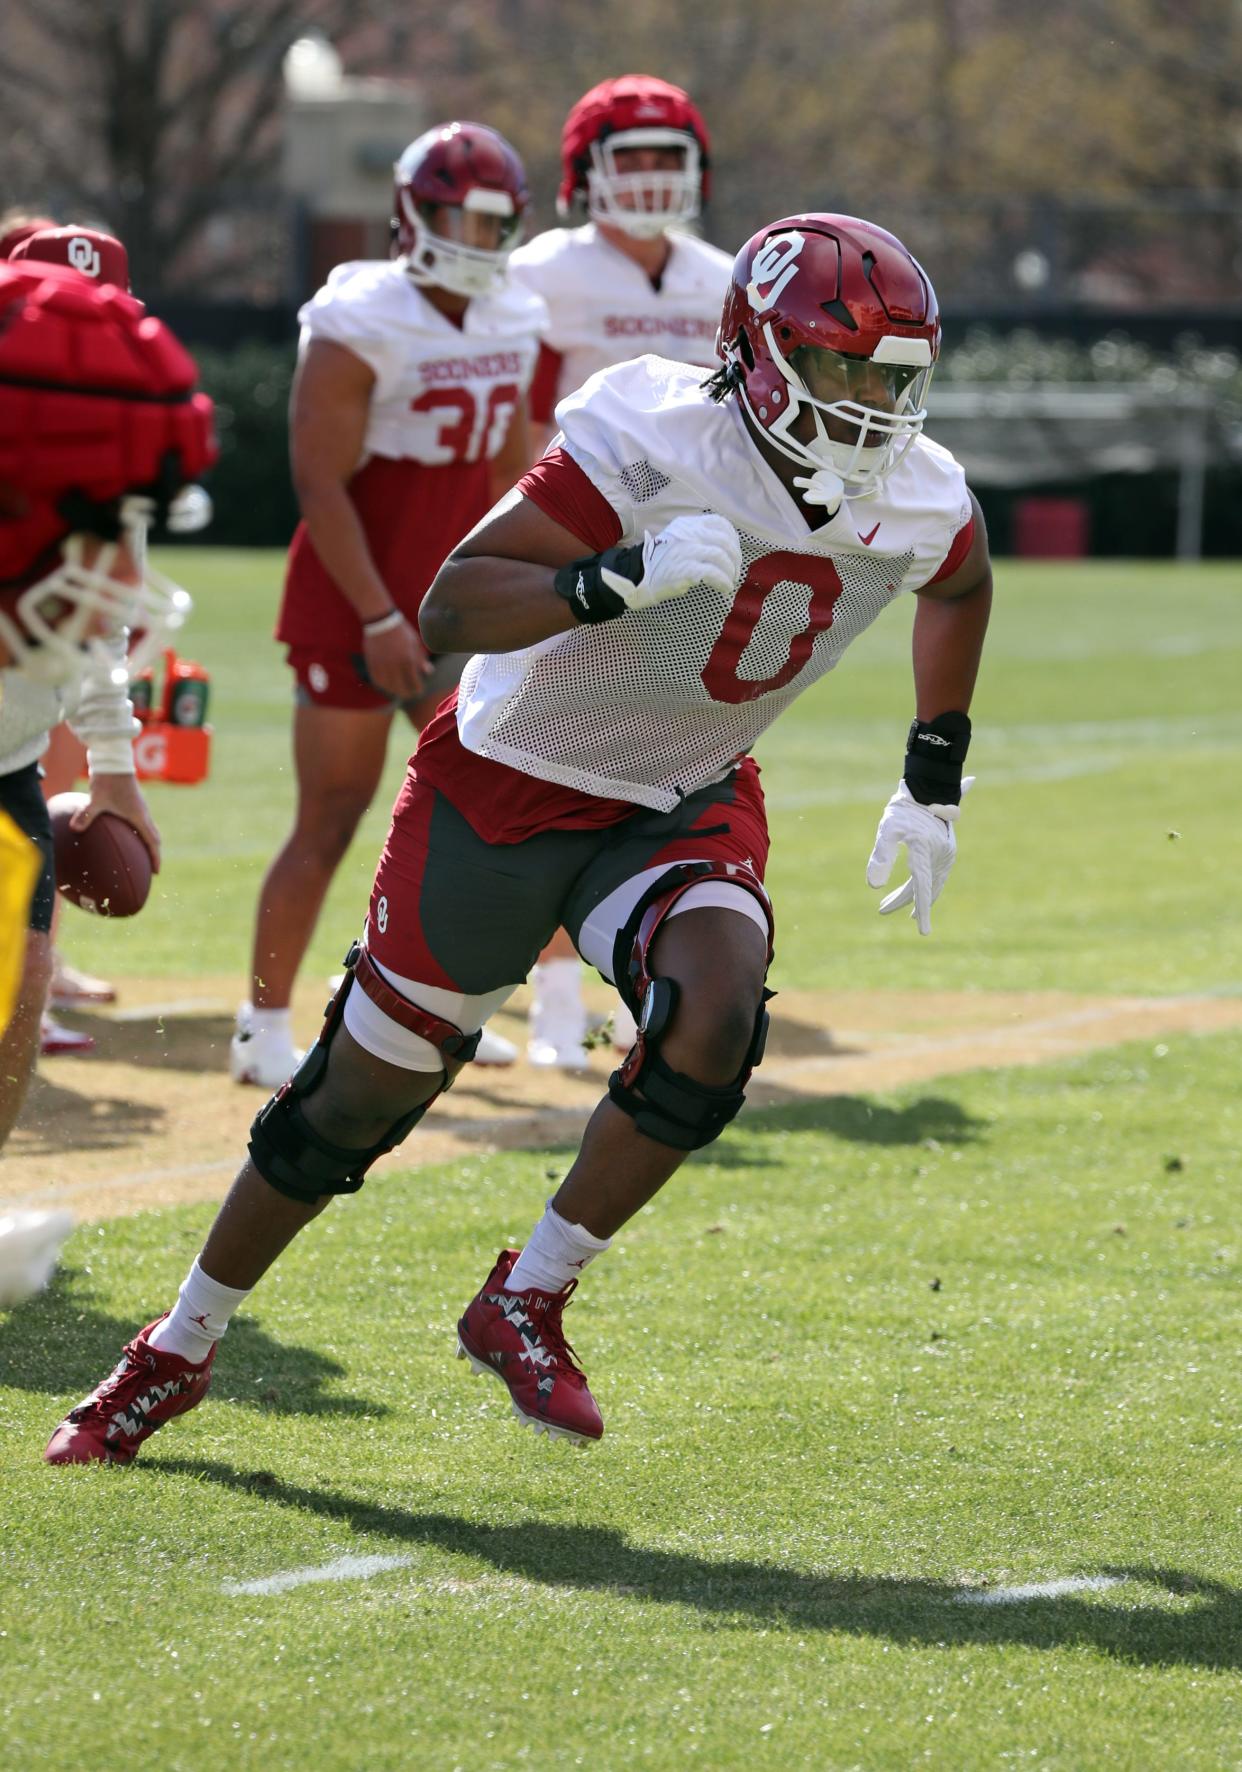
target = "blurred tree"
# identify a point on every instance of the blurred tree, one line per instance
(1093, 143)
(153, 118)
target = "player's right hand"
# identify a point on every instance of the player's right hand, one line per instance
(691, 551)
(397, 662)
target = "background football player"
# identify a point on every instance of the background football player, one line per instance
(626, 279)
(408, 418)
(693, 555)
(97, 432)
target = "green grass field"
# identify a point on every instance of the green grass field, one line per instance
(870, 1367)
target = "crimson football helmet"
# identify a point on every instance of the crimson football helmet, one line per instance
(17, 225)
(830, 317)
(97, 255)
(99, 428)
(449, 175)
(634, 111)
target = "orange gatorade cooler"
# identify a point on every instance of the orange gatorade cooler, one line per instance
(175, 742)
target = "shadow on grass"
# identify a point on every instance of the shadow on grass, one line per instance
(62, 1342)
(1205, 1631)
(56, 1118)
(861, 1119)
(196, 1041)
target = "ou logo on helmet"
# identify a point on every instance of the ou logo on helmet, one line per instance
(775, 264)
(83, 256)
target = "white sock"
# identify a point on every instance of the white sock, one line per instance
(199, 1317)
(272, 1023)
(556, 985)
(556, 1253)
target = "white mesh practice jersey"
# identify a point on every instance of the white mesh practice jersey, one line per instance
(442, 393)
(603, 309)
(653, 705)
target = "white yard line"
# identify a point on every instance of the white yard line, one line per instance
(343, 1569)
(1035, 1590)
(1107, 1009)
(136, 1178)
(362, 1568)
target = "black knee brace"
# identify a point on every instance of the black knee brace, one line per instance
(665, 1104)
(287, 1151)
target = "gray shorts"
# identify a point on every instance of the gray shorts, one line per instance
(456, 923)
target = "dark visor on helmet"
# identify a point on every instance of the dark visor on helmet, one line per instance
(831, 376)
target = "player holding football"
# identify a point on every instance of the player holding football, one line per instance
(408, 420)
(652, 595)
(635, 173)
(102, 258)
(99, 427)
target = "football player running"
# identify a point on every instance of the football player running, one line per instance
(654, 593)
(629, 278)
(99, 428)
(408, 419)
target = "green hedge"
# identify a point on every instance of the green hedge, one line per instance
(250, 485)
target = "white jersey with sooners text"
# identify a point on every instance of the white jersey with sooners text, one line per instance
(443, 393)
(652, 705)
(602, 308)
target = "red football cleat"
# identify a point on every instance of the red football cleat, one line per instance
(147, 1389)
(517, 1336)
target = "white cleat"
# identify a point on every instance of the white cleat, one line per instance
(495, 1050)
(29, 1245)
(265, 1060)
(565, 1054)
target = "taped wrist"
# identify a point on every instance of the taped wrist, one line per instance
(935, 753)
(582, 586)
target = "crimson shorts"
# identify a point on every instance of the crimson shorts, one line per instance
(467, 916)
(330, 679)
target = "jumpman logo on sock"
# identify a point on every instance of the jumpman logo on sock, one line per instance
(202, 1322)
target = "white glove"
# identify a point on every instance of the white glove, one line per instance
(691, 551)
(931, 849)
(823, 487)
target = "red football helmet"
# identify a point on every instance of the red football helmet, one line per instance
(450, 175)
(97, 255)
(17, 225)
(830, 316)
(634, 111)
(99, 428)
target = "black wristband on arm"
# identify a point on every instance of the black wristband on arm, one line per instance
(935, 752)
(582, 587)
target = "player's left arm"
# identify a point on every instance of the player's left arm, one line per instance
(949, 626)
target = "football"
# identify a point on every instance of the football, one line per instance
(105, 868)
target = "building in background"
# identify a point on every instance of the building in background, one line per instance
(342, 136)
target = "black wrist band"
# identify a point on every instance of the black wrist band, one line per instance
(935, 752)
(583, 588)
